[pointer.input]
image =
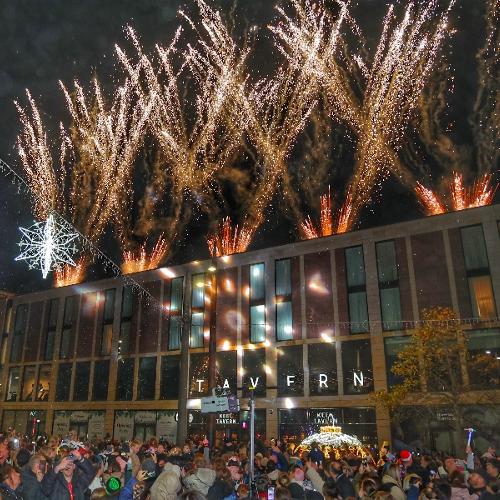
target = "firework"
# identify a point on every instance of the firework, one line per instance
(429, 200)
(480, 194)
(330, 223)
(70, 275)
(142, 260)
(228, 241)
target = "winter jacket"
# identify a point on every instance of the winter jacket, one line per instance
(219, 490)
(32, 488)
(462, 494)
(396, 490)
(127, 492)
(55, 486)
(200, 480)
(7, 493)
(166, 486)
(345, 487)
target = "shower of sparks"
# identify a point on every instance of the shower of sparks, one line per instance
(135, 261)
(429, 200)
(91, 184)
(405, 56)
(277, 109)
(67, 275)
(480, 194)
(47, 245)
(228, 241)
(330, 223)
(196, 141)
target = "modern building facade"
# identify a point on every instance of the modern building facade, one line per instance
(312, 327)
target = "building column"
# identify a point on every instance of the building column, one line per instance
(383, 424)
(492, 238)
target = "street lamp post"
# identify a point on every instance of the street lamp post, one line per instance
(212, 347)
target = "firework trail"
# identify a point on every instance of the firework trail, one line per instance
(406, 53)
(96, 155)
(228, 240)
(196, 140)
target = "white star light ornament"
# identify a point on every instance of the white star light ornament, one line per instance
(47, 245)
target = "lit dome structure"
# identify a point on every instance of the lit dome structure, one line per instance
(334, 443)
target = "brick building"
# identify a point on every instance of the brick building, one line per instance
(313, 326)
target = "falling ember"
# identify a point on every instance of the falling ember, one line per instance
(330, 223)
(135, 261)
(429, 200)
(70, 275)
(228, 241)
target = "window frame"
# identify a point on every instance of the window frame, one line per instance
(280, 299)
(356, 289)
(254, 302)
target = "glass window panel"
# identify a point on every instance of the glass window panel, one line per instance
(174, 334)
(44, 379)
(355, 266)
(198, 375)
(176, 294)
(474, 247)
(226, 371)
(257, 282)
(106, 339)
(254, 373)
(481, 294)
(66, 337)
(147, 378)
(196, 339)
(63, 381)
(357, 367)
(50, 338)
(390, 305)
(69, 310)
(127, 302)
(82, 379)
(14, 384)
(386, 262)
(28, 390)
(170, 374)
(53, 310)
(258, 323)
(124, 340)
(198, 292)
(109, 305)
(393, 346)
(290, 371)
(18, 334)
(101, 380)
(323, 369)
(125, 380)
(284, 329)
(358, 312)
(283, 277)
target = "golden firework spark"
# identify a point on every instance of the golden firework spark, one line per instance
(429, 200)
(480, 194)
(330, 223)
(228, 240)
(71, 275)
(142, 260)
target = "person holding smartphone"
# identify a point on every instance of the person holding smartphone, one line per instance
(32, 477)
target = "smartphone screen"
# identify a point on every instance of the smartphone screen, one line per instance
(270, 493)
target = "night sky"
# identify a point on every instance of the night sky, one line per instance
(42, 42)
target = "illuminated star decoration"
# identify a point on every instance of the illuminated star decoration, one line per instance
(47, 245)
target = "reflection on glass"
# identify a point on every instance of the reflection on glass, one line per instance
(258, 323)
(43, 388)
(28, 383)
(14, 382)
(196, 339)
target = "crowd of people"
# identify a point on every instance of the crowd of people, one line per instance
(56, 469)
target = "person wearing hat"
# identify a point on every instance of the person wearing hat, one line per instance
(200, 478)
(69, 479)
